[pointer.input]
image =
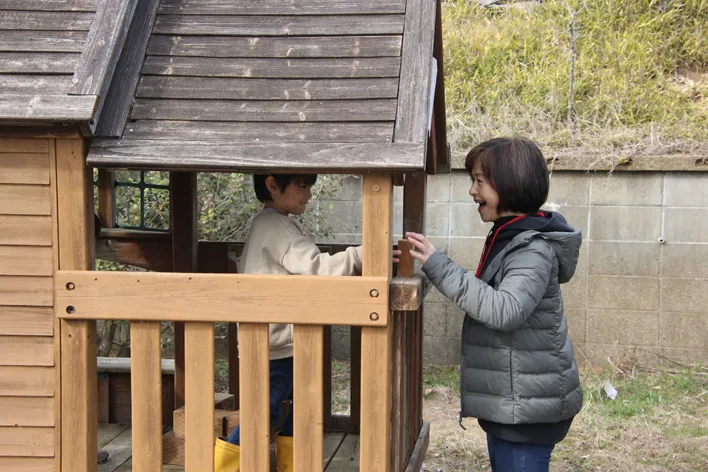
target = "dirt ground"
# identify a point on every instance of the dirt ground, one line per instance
(658, 423)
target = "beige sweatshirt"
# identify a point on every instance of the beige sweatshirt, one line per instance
(276, 244)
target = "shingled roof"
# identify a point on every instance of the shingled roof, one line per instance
(241, 85)
(59, 57)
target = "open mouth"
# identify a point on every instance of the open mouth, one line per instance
(482, 206)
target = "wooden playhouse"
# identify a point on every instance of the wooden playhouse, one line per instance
(187, 86)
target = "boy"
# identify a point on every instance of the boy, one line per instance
(276, 244)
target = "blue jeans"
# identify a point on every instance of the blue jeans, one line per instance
(506, 456)
(281, 388)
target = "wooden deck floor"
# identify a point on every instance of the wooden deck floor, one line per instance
(341, 451)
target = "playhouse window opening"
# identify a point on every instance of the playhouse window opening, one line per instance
(142, 199)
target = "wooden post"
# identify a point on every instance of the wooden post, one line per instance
(376, 343)
(146, 395)
(183, 223)
(234, 387)
(78, 338)
(199, 398)
(355, 379)
(308, 343)
(255, 404)
(414, 198)
(327, 378)
(107, 198)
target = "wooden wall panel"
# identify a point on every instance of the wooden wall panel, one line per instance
(26, 260)
(26, 321)
(21, 441)
(25, 199)
(25, 230)
(26, 411)
(34, 291)
(26, 350)
(27, 381)
(27, 263)
(18, 168)
(27, 464)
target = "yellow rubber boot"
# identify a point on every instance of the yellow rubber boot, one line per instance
(227, 456)
(284, 454)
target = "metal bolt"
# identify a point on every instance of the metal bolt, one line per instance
(374, 316)
(70, 309)
(70, 286)
(374, 293)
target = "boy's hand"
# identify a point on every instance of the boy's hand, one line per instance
(396, 256)
(423, 248)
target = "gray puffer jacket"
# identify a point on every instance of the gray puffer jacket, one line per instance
(517, 359)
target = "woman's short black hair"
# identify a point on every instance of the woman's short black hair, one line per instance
(283, 180)
(516, 169)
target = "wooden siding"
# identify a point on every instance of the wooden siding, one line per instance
(27, 347)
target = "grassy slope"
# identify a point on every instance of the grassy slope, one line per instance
(641, 75)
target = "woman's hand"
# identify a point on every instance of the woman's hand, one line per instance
(423, 248)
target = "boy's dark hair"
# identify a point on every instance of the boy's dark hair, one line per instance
(516, 169)
(283, 180)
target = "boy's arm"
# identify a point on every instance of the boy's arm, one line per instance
(303, 257)
(526, 276)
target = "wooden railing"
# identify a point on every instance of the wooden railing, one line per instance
(146, 299)
(198, 300)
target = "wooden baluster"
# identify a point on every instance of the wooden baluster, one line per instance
(308, 422)
(146, 395)
(199, 396)
(255, 397)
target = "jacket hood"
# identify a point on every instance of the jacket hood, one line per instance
(564, 239)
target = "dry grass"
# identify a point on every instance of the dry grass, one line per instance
(659, 422)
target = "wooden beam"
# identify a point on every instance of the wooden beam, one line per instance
(414, 198)
(276, 111)
(249, 157)
(327, 376)
(102, 47)
(78, 337)
(291, 47)
(51, 5)
(183, 224)
(255, 131)
(44, 107)
(274, 68)
(416, 63)
(354, 379)
(199, 398)
(408, 293)
(118, 97)
(406, 263)
(153, 296)
(278, 7)
(146, 395)
(376, 352)
(439, 157)
(107, 198)
(308, 344)
(52, 151)
(262, 25)
(421, 447)
(255, 405)
(151, 254)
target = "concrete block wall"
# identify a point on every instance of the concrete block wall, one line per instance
(642, 281)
